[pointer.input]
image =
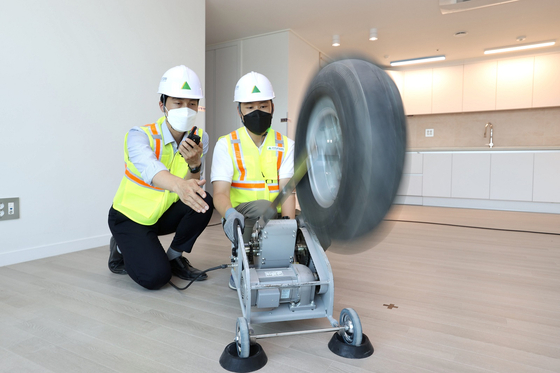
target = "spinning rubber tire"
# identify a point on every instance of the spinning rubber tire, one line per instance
(352, 126)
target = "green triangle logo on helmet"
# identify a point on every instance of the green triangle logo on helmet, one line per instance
(255, 90)
(186, 86)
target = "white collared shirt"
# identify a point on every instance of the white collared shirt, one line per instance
(143, 157)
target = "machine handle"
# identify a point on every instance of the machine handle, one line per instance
(237, 233)
(300, 171)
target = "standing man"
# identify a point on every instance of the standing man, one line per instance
(252, 163)
(161, 192)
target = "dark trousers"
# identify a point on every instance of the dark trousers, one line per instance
(144, 257)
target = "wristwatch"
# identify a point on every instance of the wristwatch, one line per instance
(195, 170)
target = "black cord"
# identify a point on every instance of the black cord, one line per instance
(201, 273)
(472, 226)
(213, 225)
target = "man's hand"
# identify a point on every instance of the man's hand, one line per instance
(191, 152)
(192, 194)
(231, 216)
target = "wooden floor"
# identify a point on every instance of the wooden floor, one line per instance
(469, 300)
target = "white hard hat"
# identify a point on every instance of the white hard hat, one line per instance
(253, 87)
(182, 82)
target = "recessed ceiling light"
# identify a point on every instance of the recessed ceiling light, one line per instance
(417, 60)
(336, 40)
(521, 38)
(460, 34)
(453, 6)
(520, 47)
(373, 34)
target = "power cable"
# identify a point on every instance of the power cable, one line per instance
(222, 266)
(473, 227)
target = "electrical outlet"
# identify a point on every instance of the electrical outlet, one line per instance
(430, 132)
(9, 208)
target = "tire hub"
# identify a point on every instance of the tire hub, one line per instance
(324, 148)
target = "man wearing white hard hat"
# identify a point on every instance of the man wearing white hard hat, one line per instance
(251, 164)
(160, 192)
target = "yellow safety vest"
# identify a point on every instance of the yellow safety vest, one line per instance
(255, 175)
(138, 200)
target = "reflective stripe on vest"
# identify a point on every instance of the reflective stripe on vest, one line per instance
(156, 136)
(135, 179)
(255, 174)
(279, 143)
(236, 144)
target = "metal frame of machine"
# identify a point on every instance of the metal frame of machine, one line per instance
(278, 282)
(283, 274)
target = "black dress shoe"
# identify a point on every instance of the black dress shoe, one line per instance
(181, 268)
(116, 261)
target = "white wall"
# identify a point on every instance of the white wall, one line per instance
(268, 55)
(303, 66)
(222, 73)
(76, 75)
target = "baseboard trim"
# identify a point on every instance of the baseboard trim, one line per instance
(41, 252)
(409, 200)
(484, 204)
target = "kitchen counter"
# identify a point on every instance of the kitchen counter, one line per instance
(502, 178)
(486, 148)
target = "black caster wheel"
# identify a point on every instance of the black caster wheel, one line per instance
(352, 334)
(242, 356)
(351, 342)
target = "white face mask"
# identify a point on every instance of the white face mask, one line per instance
(181, 119)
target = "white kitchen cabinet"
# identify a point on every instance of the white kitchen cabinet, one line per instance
(546, 185)
(413, 163)
(411, 182)
(418, 92)
(447, 89)
(398, 78)
(470, 175)
(514, 83)
(411, 185)
(479, 86)
(491, 179)
(514, 89)
(546, 82)
(436, 176)
(511, 176)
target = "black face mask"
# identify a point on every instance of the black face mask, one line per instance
(257, 121)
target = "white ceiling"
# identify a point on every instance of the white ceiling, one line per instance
(406, 28)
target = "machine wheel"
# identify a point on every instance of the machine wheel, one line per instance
(352, 127)
(352, 334)
(242, 340)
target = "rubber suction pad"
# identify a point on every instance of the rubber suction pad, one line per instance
(340, 348)
(232, 362)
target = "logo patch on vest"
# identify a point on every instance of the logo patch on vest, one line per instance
(277, 148)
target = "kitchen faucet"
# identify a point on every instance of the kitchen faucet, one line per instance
(491, 133)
